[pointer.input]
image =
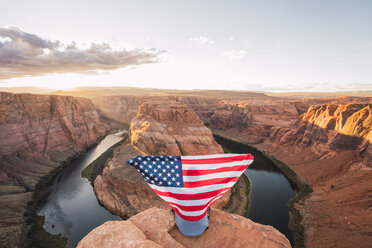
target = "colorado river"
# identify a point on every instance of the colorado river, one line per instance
(74, 210)
(270, 190)
(71, 204)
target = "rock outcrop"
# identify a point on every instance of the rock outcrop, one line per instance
(163, 128)
(156, 228)
(37, 133)
(158, 129)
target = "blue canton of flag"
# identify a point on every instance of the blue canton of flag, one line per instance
(159, 170)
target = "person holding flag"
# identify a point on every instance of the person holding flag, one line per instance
(191, 184)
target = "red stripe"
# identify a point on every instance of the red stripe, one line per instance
(198, 196)
(206, 172)
(209, 182)
(193, 218)
(194, 208)
(217, 160)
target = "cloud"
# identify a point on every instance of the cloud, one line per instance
(202, 40)
(232, 54)
(26, 54)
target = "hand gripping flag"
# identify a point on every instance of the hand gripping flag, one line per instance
(191, 184)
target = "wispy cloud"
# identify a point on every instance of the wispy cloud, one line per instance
(202, 40)
(233, 54)
(26, 54)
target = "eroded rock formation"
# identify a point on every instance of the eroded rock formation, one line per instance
(37, 133)
(163, 128)
(158, 129)
(156, 228)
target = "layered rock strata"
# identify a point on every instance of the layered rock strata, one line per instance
(156, 228)
(37, 133)
(330, 147)
(163, 128)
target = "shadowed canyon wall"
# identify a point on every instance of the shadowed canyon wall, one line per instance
(37, 134)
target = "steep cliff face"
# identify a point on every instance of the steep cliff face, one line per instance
(37, 132)
(160, 128)
(163, 128)
(330, 127)
(47, 126)
(330, 147)
(252, 120)
(156, 228)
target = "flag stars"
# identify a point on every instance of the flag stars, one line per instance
(161, 171)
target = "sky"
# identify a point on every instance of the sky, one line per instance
(276, 45)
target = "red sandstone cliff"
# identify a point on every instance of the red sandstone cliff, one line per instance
(330, 147)
(37, 132)
(163, 128)
(156, 228)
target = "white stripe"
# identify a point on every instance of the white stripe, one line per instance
(215, 166)
(188, 202)
(192, 191)
(212, 176)
(212, 156)
(195, 213)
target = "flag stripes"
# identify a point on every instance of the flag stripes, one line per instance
(203, 180)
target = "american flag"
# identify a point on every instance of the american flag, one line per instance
(191, 184)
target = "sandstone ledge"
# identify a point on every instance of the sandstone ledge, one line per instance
(156, 228)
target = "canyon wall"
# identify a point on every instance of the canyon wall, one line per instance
(124, 108)
(330, 147)
(159, 128)
(37, 133)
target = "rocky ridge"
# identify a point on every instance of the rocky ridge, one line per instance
(38, 133)
(156, 228)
